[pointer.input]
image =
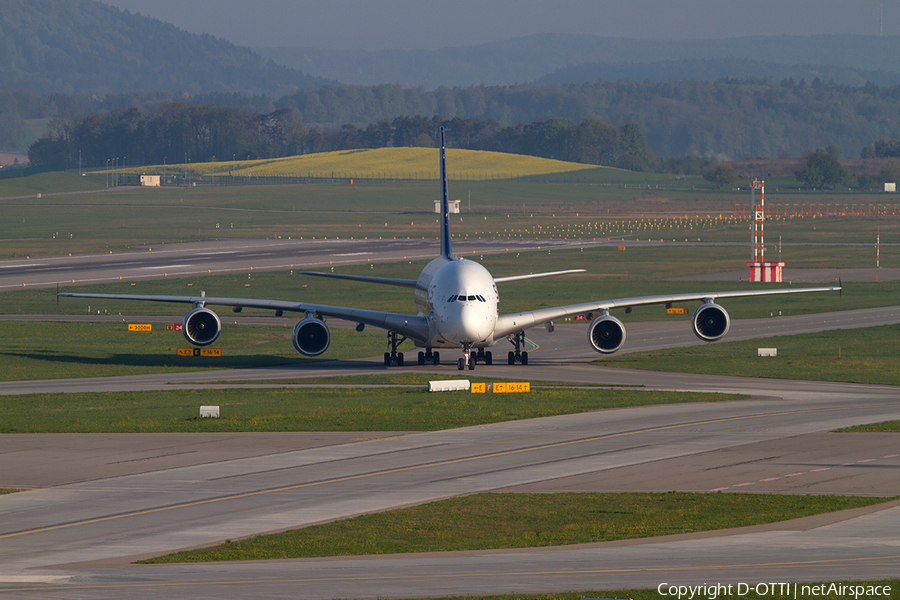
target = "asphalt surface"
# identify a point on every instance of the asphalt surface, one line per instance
(106, 500)
(242, 256)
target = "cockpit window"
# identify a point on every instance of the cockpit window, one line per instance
(466, 298)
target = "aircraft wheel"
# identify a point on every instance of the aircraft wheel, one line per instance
(525, 358)
(488, 358)
(461, 364)
(399, 359)
(471, 365)
(436, 358)
(512, 357)
(421, 358)
(387, 359)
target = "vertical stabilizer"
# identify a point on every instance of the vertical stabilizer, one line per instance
(445, 204)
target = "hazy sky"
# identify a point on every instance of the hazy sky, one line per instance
(429, 24)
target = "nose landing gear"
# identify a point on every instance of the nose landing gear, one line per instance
(471, 358)
(467, 360)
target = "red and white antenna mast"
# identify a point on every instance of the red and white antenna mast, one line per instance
(759, 219)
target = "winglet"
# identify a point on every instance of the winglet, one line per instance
(446, 251)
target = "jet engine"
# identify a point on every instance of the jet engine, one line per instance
(710, 322)
(201, 326)
(311, 337)
(606, 334)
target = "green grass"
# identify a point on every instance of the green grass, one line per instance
(46, 183)
(308, 409)
(118, 220)
(885, 427)
(868, 355)
(8, 491)
(491, 521)
(52, 350)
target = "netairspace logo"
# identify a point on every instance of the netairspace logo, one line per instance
(795, 591)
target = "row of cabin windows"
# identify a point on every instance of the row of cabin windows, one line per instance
(462, 298)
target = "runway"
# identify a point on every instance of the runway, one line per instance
(241, 256)
(78, 533)
(86, 533)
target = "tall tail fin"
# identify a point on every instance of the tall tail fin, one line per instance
(446, 251)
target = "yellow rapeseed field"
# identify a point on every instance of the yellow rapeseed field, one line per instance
(384, 163)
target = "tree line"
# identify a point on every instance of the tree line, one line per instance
(174, 132)
(726, 119)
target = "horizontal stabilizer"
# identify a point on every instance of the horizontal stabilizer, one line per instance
(382, 280)
(536, 275)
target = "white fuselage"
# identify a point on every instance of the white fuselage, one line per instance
(460, 299)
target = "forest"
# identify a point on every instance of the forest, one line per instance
(174, 132)
(725, 119)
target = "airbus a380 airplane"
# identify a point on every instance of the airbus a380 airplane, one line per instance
(458, 307)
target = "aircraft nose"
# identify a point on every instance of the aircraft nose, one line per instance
(475, 324)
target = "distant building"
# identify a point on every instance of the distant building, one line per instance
(150, 180)
(453, 204)
(890, 187)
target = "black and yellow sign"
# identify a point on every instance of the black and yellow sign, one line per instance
(676, 311)
(139, 327)
(199, 352)
(512, 388)
(501, 387)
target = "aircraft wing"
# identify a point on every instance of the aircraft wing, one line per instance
(508, 324)
(411, 326)
(536, 275)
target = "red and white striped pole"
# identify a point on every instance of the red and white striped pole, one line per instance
(762, 223)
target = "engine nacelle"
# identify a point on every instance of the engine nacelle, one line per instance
(710, 322)
(311, 337)
(606, 334)
(201, 326)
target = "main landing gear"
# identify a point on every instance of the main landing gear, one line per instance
(393, 357)
(470, 358)
(518, 355)
(429, 357)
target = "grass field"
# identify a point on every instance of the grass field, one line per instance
(121, 219)
(308, 409)
(49, 350)
(886, 427)
(491, 521)
(383, 163)
(870, 355)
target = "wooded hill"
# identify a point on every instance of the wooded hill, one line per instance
(724, 119)
(78, 57)
(84, 46)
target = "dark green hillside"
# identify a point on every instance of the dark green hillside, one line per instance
(77, 46)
